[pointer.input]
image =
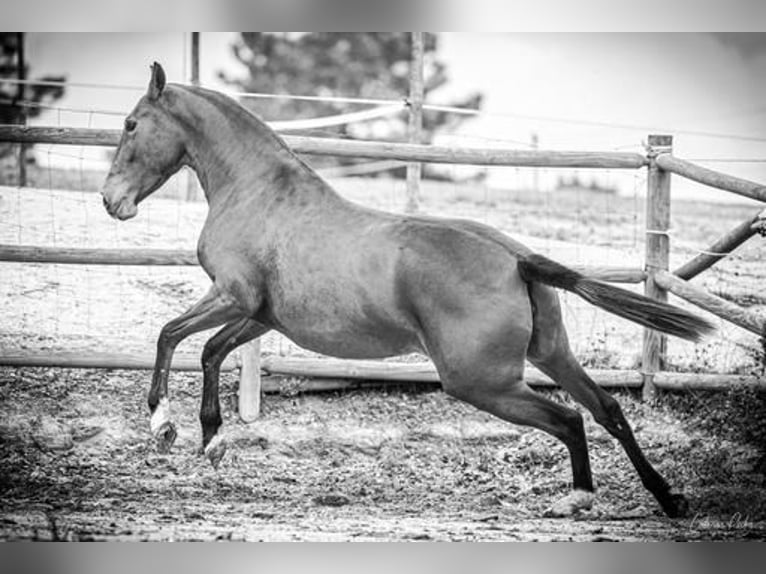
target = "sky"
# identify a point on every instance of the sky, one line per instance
(578, 91)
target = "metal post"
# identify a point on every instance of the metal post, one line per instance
(415, 127)
(657, 255)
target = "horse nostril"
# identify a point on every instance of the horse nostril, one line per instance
(107, 205)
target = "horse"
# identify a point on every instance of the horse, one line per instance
(285, 251)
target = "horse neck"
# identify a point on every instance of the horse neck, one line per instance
(233, 152)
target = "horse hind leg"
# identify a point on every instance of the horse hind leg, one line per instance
(480, 356)
(607, 412)
(497, 387)
(550, 352)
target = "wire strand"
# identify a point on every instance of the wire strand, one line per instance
(432, 107)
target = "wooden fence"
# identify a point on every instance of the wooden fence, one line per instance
(658, 279)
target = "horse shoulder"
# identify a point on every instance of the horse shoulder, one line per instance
(234, 264)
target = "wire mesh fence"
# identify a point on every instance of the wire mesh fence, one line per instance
(579, 217)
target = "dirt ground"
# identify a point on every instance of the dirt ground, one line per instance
(387, 464)
(393, 463)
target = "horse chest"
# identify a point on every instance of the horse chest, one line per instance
(223, 251)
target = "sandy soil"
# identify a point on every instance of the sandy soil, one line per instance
(396, 464)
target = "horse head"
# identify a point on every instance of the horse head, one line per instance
(151, 150)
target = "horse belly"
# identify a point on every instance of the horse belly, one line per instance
(337, 291)
(352, 339)
(334, 319)
(354, 345)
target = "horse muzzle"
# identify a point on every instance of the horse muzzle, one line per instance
(118, 200)
(122, 210)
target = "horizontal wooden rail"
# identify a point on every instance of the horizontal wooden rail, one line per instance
(63, 136)
(711, 177)
(664, 380)
(99, 360)
(335, 374)
(612, 274)
(719, 307)
(363, 149)
(719, 249)
(469, 156)
(671, 381)
(88, 256)
(410, 372)
(282, 383)
(91, 256)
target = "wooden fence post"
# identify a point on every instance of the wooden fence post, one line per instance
(192, 185)
(657, 255)
(415, 126)
(21, 74)
(535, 145)
(250, 381)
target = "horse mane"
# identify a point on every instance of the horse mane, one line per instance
(236, 115)
(204, 110)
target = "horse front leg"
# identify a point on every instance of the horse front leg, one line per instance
(215, 308)
(218, 347)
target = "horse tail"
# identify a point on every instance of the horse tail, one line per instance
(637, 308)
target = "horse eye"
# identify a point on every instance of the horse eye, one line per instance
(130, 124)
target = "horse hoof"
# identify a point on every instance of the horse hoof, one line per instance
(165, 437)
(215, 450)
(676, 506)
(571, 504)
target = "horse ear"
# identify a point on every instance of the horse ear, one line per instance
(157, 83)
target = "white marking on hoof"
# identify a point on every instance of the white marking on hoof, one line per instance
(215, 450)
(160, 416)
(571, 504)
